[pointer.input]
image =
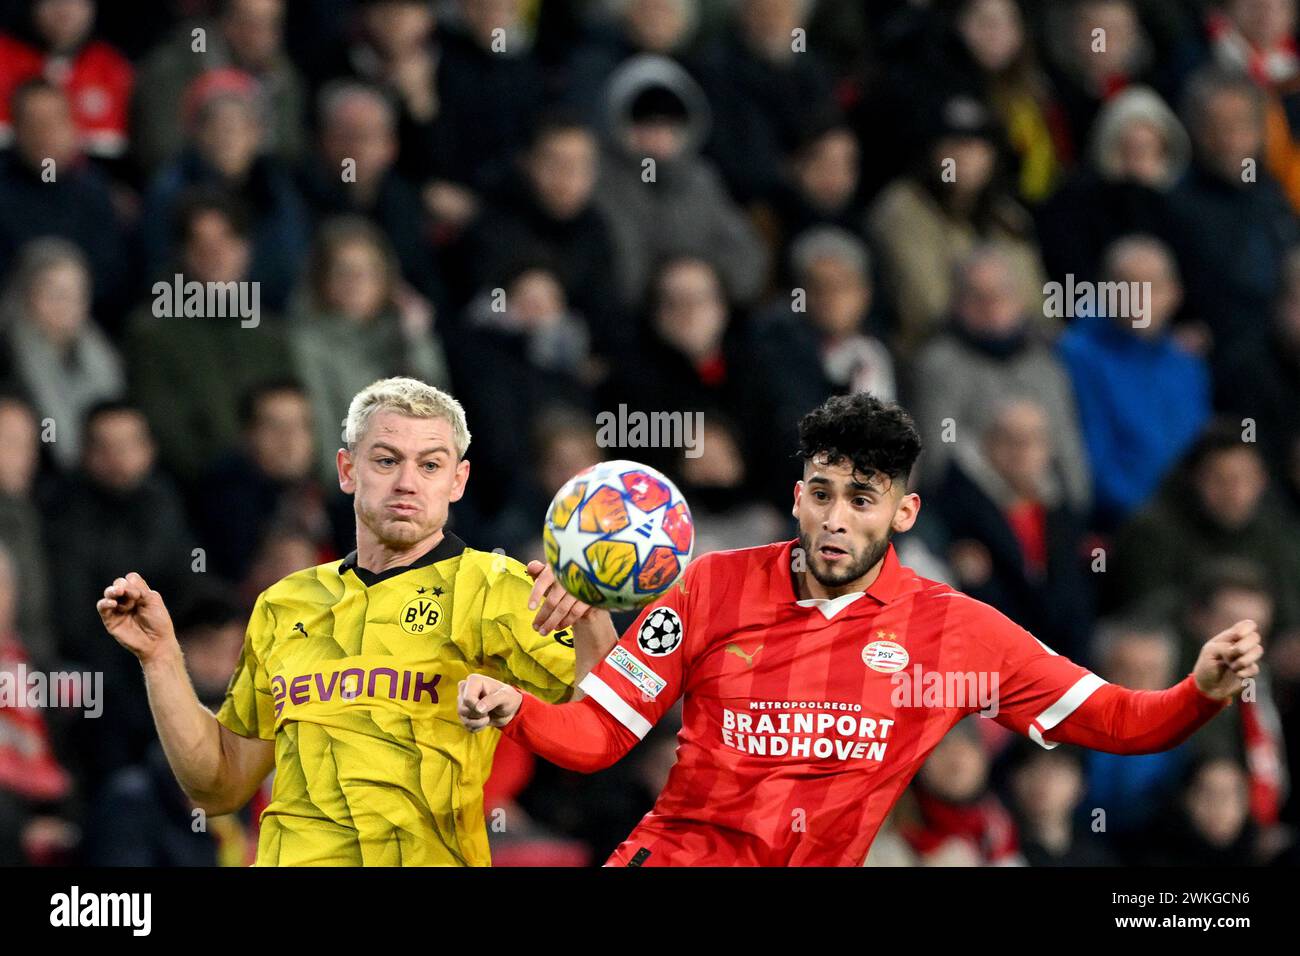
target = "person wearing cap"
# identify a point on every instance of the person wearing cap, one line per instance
(247, 35)
(224, 113)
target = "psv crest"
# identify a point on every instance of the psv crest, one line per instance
(885, 655)
(420, 614)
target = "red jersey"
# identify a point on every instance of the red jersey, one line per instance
(804, 721)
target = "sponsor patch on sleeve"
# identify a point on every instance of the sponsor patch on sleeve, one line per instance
(641, 677)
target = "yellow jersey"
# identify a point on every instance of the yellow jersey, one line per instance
(354, 675)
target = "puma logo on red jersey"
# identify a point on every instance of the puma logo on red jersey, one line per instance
(740, 652)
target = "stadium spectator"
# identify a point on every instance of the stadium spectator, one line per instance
(1262, 381)
(991, 349)
(1250, 733)
(763, 80)
(716, 481)
(1285, 673)
(692, 358)
(659, 27)
(354, 173)
(954, 818)
(562, 443)
(1137, 152)
(1047, 788)
(355, 324)
(141, 817)
(117, 512)
(187, 370)
(1099, 48)
(819, 188)
(489, 87)
(539, 353)
(271, 479)
(32, 781)
(660, 198)
(1142, 396)
(22, 531)
(81, 209)
(599, 808)
(56, 352)
(822, 343)
(1258, 40)
(523, 842)
(226, 125)
(244, 35)
(926, 222)
(996, 59)
(1220, 588)
(1014, 541)
(97, 79)
(547, 211)
(282, 550)
(1226, 202)
(392, 47)
(1209, 824)
(1216, 504)
(1139, 652)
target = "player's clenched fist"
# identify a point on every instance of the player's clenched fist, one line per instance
(137, 617)
(1228, 660)
(485, 701)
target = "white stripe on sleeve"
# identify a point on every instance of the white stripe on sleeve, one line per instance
(1070, 701)
(618, 708)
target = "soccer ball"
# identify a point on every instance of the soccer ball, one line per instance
(618, 535)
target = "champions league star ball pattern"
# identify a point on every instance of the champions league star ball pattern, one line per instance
(618, 535)
(660, 633)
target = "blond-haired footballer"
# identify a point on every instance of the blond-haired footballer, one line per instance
(347, 681)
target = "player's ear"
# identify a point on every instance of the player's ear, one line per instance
(909, 507)
(347, 475)
(462, 476)
(798, 494)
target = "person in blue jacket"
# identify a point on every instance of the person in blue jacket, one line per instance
(1142, 395)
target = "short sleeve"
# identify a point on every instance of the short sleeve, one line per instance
(248, 709)
(542, 664)
(1037, 689)
(645, 673)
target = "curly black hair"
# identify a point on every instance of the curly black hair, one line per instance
(877, 437)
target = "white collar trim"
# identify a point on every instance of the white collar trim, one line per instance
(831, 606)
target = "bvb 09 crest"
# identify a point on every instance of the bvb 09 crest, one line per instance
(420, 615)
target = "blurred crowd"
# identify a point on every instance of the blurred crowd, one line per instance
(733, 207)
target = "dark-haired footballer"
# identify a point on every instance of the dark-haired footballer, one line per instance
(804, 670)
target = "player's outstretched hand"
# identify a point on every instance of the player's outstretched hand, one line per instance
(1228, 660)
(137, 617)
(484, 701)
(556, 607)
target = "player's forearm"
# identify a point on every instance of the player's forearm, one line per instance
(190, 734)
(1123, 721)
(578, 736)
(594, 637)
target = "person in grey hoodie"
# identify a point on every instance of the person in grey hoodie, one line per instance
(660, 197)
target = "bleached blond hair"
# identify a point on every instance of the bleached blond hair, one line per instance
(408, 396)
